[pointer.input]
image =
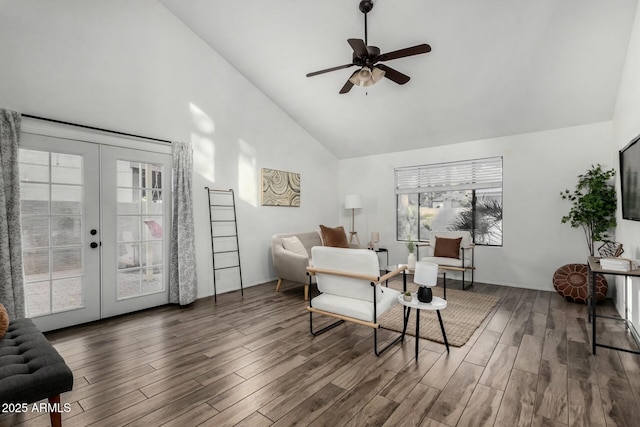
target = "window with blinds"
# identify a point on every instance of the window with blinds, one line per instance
(463, 195)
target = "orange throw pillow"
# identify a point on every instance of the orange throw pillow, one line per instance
(447, 248)
(4, 321)
(335, 237)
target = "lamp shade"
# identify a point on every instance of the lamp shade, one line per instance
(426, 274)
(352, 201)
(375, 236)
(367, 76)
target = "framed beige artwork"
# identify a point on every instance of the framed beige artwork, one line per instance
(280, 188)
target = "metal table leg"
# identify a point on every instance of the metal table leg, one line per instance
(444, 284)
(407, 311)
(444, 334)
(417, 331)
(593, 310)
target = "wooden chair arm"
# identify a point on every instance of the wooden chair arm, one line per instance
(392, 274)
(373, 279)
(314, 270)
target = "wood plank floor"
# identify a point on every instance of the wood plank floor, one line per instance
(251, 362)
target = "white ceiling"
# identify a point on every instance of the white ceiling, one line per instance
(498, 67)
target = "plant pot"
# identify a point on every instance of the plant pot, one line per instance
(407, 298)
(411, 260)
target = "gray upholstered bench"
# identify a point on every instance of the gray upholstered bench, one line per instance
(31, 369)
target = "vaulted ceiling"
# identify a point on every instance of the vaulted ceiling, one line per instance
(497, 67)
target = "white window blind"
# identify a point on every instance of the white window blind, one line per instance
(463, 175)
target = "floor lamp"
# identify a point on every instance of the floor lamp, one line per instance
(353, 202)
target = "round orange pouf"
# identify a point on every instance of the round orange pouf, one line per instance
(571, 282)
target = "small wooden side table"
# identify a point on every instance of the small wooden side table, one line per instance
(436, 305)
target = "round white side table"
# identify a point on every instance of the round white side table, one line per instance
(436, 305)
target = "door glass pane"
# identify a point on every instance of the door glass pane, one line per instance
(38, 298)
(65, 230)
(66, 199)
(128, 228)
(35, 264)
(129, 201)
(129, 283)
(140, 229)
(152, 228)
(34, 198)
(67, 294)
(152, 280)
(66, 169)
(66, 263)
(154, 208)
(34, 166)
(129, 255)
(52, 238)
(151, 254)
(35, 232)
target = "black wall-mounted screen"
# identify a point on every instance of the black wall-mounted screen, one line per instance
(630, 180)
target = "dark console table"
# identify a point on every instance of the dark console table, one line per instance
(595, 268)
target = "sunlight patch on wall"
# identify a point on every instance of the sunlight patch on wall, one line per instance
(201, 120)
(247, 173)
(203, 146)
(204, 154)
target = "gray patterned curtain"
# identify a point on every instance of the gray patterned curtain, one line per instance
(11, 279)
(183, 283)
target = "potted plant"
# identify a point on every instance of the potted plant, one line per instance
(407, 296)
(593, 205)
(593, 208)
(411, 260)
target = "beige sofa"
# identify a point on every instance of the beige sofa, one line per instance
(292, 266)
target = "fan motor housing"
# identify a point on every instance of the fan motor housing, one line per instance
(366, 6)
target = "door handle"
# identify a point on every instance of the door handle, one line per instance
(93, 245)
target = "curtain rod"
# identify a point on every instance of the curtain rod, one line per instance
(95, 128)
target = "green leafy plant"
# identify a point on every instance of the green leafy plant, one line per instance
(407, 293)
(411, 246)
(485, 221)
(593, 205)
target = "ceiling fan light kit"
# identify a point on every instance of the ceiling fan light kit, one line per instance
(367, 57)
(366, 76)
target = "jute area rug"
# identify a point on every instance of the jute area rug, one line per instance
(464, 313)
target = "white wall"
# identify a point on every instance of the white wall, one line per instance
(536, 168)
(626, 126)
(134, 67)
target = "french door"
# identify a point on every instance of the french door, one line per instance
(93, 229)
(136, 224)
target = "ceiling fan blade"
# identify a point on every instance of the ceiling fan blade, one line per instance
(348, 85)
(402, 53)
(359, 48)
(394, 75)
(339, 67)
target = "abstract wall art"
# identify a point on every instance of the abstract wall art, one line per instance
(280, 188)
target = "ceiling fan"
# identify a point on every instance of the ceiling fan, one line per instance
(368, 58)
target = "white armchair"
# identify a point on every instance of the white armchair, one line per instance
(451, 250)
(351, 289)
